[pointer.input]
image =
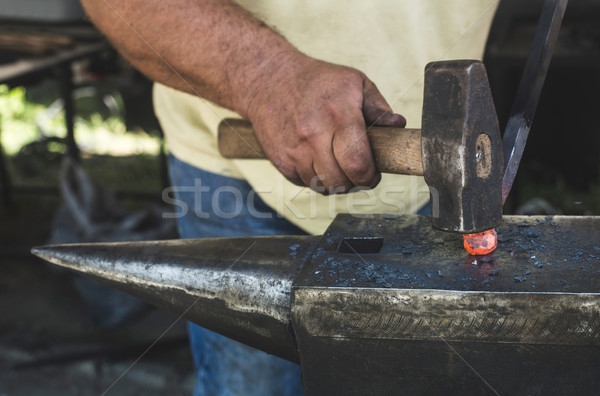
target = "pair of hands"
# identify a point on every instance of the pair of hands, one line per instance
(311, 117)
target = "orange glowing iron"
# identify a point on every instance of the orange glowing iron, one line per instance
(481, 243)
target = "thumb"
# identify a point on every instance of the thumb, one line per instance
(376, 109)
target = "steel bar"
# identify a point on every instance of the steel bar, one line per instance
(530, 88)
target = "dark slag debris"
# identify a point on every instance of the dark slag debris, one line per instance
(407, 249)
(520, 279)
(293, 250)
(532, 232)
(519, 253)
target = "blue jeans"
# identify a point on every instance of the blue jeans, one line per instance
(224, 366)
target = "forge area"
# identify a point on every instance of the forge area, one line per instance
(62, 335)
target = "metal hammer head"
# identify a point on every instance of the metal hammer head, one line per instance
(461, 147)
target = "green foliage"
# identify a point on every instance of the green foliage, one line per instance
(12, 101)
(96, 131)
(17, 117)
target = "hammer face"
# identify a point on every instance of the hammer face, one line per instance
(461, 147)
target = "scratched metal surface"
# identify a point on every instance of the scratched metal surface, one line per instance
(534, 254)
(239, 287)
(424, 317)
(541, 285)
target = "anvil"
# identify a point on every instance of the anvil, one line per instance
(385, 304)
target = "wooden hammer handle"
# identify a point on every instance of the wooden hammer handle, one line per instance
(396, 150)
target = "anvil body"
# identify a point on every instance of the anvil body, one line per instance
(386, 304)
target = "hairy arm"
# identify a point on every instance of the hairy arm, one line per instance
(309, 116)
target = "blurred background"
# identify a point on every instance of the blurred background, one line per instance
(82, 159)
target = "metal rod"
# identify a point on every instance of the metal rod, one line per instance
(530, 88)
(66, 88)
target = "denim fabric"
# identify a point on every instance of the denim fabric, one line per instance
(425, 209)
(219, 206)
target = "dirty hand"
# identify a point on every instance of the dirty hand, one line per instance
(310, 118)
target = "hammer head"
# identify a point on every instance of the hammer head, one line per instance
(461, 147)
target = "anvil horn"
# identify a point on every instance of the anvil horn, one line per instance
(238, 287)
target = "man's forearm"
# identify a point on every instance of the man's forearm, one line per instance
(212, 48)
(308, 115)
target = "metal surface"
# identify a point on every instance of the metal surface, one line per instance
(464, 178)
(530, 88)
(423, 316)
(423, 285)
(384, 304)
(239, 287)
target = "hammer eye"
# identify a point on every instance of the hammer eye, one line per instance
(484, 156)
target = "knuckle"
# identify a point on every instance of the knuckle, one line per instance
(339, 188)
(287, 169)
(303, 132)
(306, 131)
(335, 184)
(351, 75)
(299, 155)
(312, 139)
(360, 171)
(354, 166)
(293, 177)
(334, 112)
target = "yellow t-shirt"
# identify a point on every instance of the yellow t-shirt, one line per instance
(391, 41)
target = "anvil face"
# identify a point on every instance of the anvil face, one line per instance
(535, 254)
(422, 315)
